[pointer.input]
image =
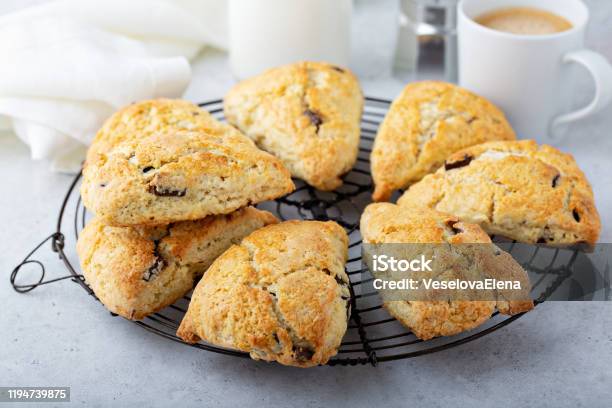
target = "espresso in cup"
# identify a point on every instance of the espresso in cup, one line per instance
(524, 20)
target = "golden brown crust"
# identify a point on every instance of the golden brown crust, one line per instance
(166, 160)
(426, 123)
(526, 192)
(281, 295)
(389, 223)
(440, 318)
(307, 114)
(136, 271)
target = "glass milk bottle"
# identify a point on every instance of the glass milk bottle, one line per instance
(267, 33)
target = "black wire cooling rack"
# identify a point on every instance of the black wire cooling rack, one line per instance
(373, 335)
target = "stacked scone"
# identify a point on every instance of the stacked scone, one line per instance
(455, 152)
(467, 177)
(385, 223)
(171, 189)
(281, 295)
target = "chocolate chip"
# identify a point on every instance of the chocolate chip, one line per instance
(158, 265)
(541, 240)
(458, 163)
(302, 353)
(276, 339)
(576, 215)
(102, 185)
(148, 169)
(555, 180)
(166, 192)
(154, 269)
(195, 113)
(336, 68)
(337, 278)
(314, 117)
(451, 224)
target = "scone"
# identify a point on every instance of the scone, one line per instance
(389, 223)
(165, 160)
(426, 123)
(526, 192)
(281, 295)
(136, 271)
(307, 114)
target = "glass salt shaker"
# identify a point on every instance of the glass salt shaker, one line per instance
(427, 40)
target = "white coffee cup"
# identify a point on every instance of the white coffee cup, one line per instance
(530, 76)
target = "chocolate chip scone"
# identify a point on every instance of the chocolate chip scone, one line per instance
(165, 160)
(281, 295)
(388, 223)
(136, 271)
(426, 123)
(526, 192)
(307, 114)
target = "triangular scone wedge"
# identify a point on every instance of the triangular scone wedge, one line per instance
(136, 271)
(307, 114)
(280, 295)
(162, 161)
(426, 123)
(386, 223)
(526, 192)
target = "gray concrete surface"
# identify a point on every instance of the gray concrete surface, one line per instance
(559, 355)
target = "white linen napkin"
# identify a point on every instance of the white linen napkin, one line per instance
(67, 65)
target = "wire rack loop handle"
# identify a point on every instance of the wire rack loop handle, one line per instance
(57, 244)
